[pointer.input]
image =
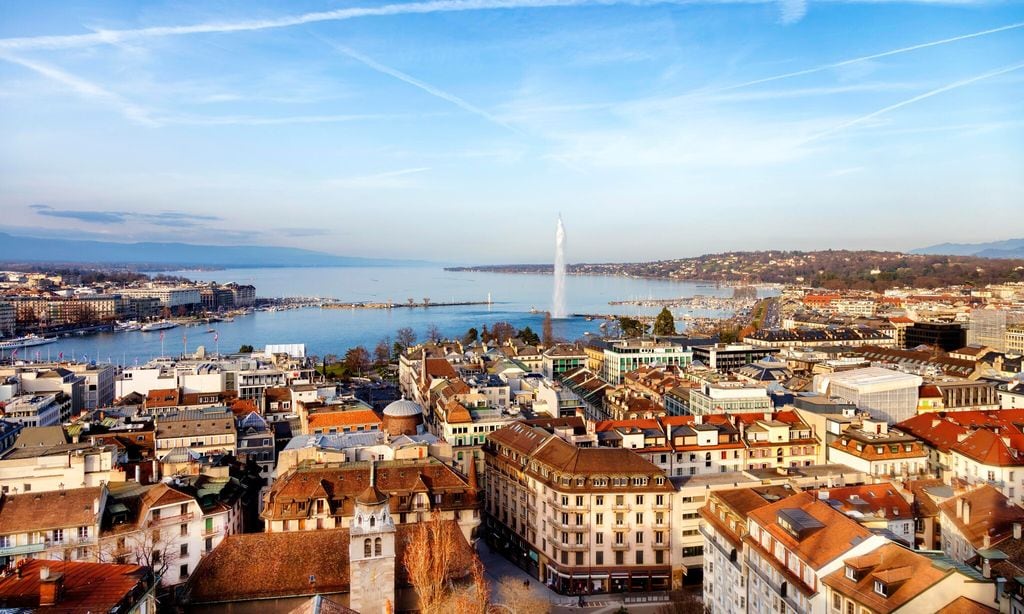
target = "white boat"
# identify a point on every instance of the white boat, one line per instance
(24, 342)
(155, 326)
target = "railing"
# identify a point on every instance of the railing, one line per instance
(622, 546)
(660, 546)
(23, 549)
(171, 519)
(574, 547)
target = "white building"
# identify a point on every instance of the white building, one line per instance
(888, 395)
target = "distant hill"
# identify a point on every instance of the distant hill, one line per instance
(1010, 248)
(31, 249)
(860, 270)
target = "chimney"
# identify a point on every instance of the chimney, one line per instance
(138, 474)
(96, 506)
(966, 518)
(156, 472)
(51, 587)
(959, 508)
(986, 542)
(986, 566)
(698, 419)
(1016, 530)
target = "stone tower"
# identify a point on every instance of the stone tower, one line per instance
(371, 552)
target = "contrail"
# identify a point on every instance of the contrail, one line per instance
(101, 37)
(909, 101)
(87, 89)
(865, 58)
(413, 81)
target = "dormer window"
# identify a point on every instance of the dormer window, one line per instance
(881, 588)
(851, 573)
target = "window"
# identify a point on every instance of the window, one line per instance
(599, 500)
(183, 551)
(639, 557)
(837, 601)
(579, 558)
(659, 500)
(83, 533)
(881, 588)
(377, 546)
(579, 501)
(599, 538)
(183, 571)
(367, 552)
(619, 557)
(208, 546)
(184, 508)
(851, 574)
(639, 499)
(57, 536)
(599, 518)
(639, 537)
(599, 558)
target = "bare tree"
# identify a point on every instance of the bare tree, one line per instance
(426, 301)
(434, 333)
(473, 598)
(688, 603)
(382, 353)
(428, 560)
(517, 596)
(406, 337)
(502, 331)
(150, 547)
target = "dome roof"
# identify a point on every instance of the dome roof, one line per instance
(402, 408)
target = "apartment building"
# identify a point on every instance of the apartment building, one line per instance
(8, 319)
(893, 579)
(36, 410)
(53, 466)
(727, 357)
(622, 357)
(876, 450)
(978, 520)
(61, 525)
(171, 525)
(728, 397)
(313, 496)
(205, 431)
(582, 520)
(791, 545)
(560, 359)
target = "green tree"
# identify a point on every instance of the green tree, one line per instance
(632, 327)
(357, 360)
(471, 336)
(664, 324)
(528, 336)
(245, 349)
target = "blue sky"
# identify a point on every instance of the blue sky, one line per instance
(457, 130)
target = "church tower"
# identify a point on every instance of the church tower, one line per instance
(371, 552)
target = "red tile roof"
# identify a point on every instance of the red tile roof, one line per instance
(990, 513)
(88, 587)
(34, 511)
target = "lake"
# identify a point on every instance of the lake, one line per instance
(332, 331)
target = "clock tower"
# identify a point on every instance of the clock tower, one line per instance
(371, 552)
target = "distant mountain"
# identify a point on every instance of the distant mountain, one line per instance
(31, 249)
(1010, 248)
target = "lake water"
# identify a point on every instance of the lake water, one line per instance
(332, 331)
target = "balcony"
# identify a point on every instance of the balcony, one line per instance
(620, 507)
(661, 546)
(574, 547)
(180, 518)
(622, 546)
(24, 549)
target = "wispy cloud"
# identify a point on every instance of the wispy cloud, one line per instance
(791, 8)
(87, 89)
(792, 11)
(867, 58)
(179, 219)
(387, 179)
(413, 81)
(903, 103)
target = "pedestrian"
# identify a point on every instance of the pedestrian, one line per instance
(581, 601)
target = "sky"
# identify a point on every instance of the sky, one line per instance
(458, 130)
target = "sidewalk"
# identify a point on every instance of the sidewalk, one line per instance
(497, 567)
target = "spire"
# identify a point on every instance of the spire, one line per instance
(474, 484)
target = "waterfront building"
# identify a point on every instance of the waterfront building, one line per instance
(816, 337)
(887, 395)
(171, 297)
(626, 356)
(8, 319)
